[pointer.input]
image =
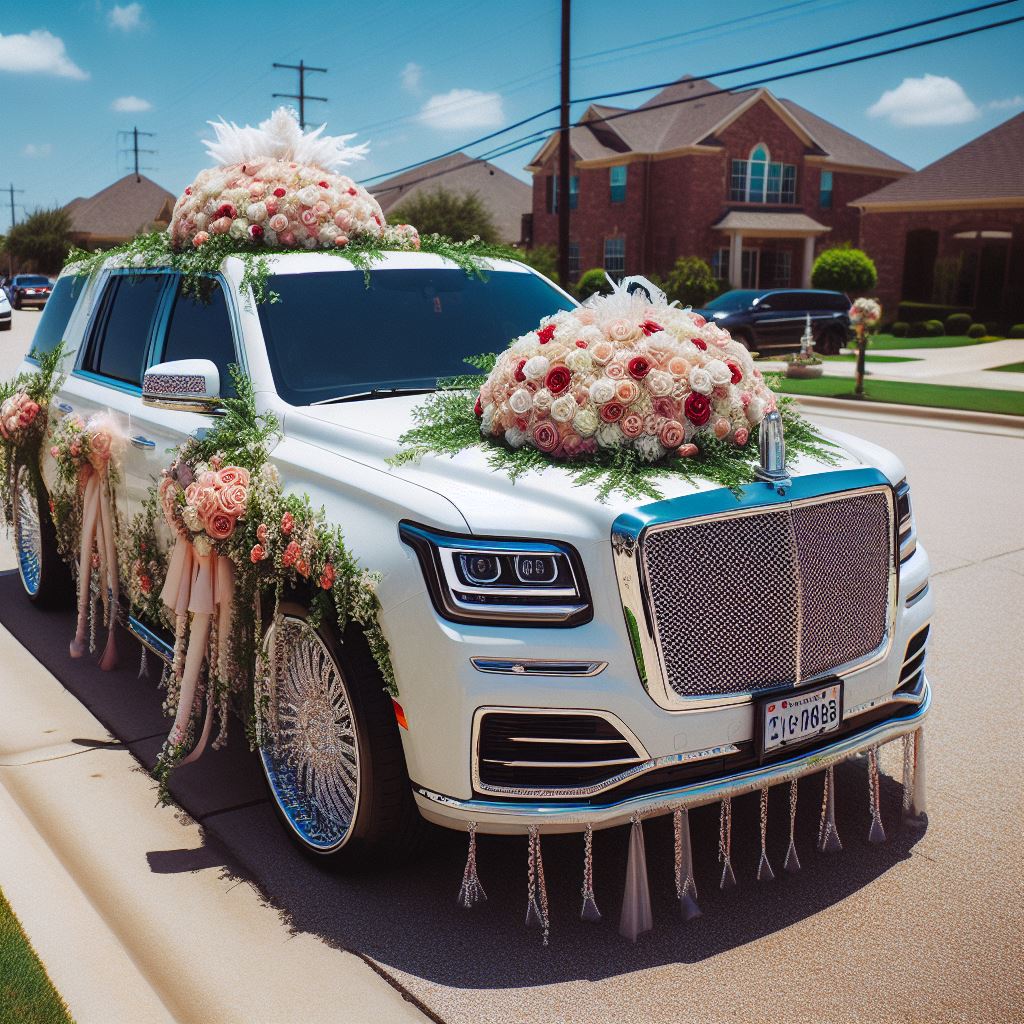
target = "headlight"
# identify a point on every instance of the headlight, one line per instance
(490, 581)
(720, 314)
(905, 521)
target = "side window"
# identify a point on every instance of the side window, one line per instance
(200, 328)
(56, 314)
(121, 334)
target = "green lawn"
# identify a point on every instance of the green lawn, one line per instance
(26, 994)
(935, 395)
(872, 359)
(881, 342)
(1009, 368)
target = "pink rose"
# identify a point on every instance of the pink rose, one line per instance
(671, 434)
(261, 533)
(626, 391)
(621, 330)
(218, 526)
(721, 427)
(343, 219)
(272, 207)
(341, 241)
(741, 436)
(278, 222)
(665, 407)
(200, 238)
(257, 554)
(687, 451)
(291, 554)
(54, 452)
(616, 371)
(602, 351)
(99, 446)
(679, 367)
(632, 425)
(286, 237)
(545, 436)
(309, 218)
(232, 499)
(287, 523)
(221, 226)
(231, 475)
(207, 478)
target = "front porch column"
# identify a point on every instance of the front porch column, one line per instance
(736, 260)
(808, 261)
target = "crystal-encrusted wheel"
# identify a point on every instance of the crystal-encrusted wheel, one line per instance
(28, 541)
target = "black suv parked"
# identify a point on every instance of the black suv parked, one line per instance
(774, 319)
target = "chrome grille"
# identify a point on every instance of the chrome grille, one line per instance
(748, 602)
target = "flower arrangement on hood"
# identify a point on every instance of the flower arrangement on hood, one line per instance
(279, 187)
(623, 371)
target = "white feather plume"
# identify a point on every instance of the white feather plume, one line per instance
(281, 138)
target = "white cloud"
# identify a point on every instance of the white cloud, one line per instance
(38, 52)
(412, 77)
(1007, 104)
(34, 150)
(463, 109)
(127, 18)
(130, 104)
(928, 100)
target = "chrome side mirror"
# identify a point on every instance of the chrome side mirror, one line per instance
(186, 385)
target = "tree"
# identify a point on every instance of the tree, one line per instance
(844, 269)
(41, 241)
(543, 259)
(691, 281)
(591, 282)
(457, 215)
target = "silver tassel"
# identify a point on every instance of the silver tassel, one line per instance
(919, 806)
(589, 911)
(828, 836)
(728, 880)
(94, 596)
(876, 834)
(143, 665)
(686, 885)
(471, 891)
(764, 869)
(537, 905)
(792, 861)
(636, 915)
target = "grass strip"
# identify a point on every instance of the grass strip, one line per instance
(872, 359)
(1009, 368)
(881, 342)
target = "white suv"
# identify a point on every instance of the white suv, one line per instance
(560, 660)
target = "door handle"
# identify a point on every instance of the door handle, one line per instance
(64, 407)
(143, 442)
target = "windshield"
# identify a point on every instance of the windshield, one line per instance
(732, 301)
(332, 335)
(29, 280)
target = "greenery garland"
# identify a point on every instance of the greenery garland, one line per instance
(197, 264)
(447, 424)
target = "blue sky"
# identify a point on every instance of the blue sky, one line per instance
(417, 78)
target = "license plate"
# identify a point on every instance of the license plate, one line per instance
(798, 717)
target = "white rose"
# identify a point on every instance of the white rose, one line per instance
(720, 373)
(527, 343)
(585, 422)
(579, 361)
(658, 383)
(602, 391)
(649, 448)
(520, 400)
(191, 517)
(542, 400)
(563, 409)
(487, 420)
(536, 368)
(609, 435)
(700, 381)
(590, 334)
(516, 437)
(239, 228)
(256, 212)
(309, 195)
(327, 234)
(755, 411)
(201, 220)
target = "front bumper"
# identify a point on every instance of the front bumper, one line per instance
(507, 817)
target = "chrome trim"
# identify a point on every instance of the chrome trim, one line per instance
(562, 740)
(613, 762)
(150, 640)
(630, 528)
(205, 406)
(538, 667)
(914, 696)
(916, 596)
(494, 816)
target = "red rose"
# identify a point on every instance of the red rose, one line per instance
(352, 192)
(226, 210)
(280, 193)
(478, 408)
(580, 343)
(323, 184)
(256, 230)
(518, 374)
(649, 327)
(545, 334)
(545, 436)
(737, 373)
(376, 218)
(145, 584)
(701, 344)
(697, 408)
(611, 412)
(638, 367)
(558, 379)
(188, 191)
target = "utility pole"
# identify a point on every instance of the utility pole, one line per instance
(563, 156)
(134, 147)
(303, 69)
(10, 259)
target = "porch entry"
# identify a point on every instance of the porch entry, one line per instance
(768, 264)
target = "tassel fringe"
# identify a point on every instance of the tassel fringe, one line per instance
(537, 893)
(792, 861)
(471, 891)
(589, 911)
(828, 835)
(764, 868)
(728, 880)
(636, 915)
(876, 834)
(686, 885)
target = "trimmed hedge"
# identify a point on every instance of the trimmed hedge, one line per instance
(916, 330)
(1016, 331)
(899, 329)
(911, 311)
(591, 282)
(844, 269)
(977, 331)
(957, 324)
(933, 328)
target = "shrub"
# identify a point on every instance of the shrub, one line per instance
(933, 328)
(977, 331)
(1016, 331)
(459, 216)
(843, 269)
(691, 282)
(957, 324)
(911, 311)
(591, 282)
(900, 329)
(916, 330)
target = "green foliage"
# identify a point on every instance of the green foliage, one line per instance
(459, 216)
(1016, 331)
(844, 269)
(933, 328)
(543, 259)
(899, 329)
(40, 242)
(977, 331)
(957, 324)
(911, 311)
(591, 282)
(691, 282)
(916, 329)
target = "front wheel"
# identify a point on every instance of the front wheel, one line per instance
(335, 768)
(831, 342)
(44, 575)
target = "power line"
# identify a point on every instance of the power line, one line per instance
(303, 70)
(134, 148)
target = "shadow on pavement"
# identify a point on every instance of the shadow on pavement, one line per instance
(407, 919)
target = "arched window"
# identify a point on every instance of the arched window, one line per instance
(757, 172)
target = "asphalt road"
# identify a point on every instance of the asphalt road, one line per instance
(924, 928)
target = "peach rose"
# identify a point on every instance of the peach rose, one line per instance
(627, 391)
(278, 222)
(687, 451)
(721, 427)
(671, 434)
(621, 330)
(218, 526)
(679, 367)
(232, 475)
(616, 371)
(602, 352)
(741, 436)
(632, 425)
(232, 499)
(200, 238)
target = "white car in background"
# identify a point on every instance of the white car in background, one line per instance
(560, 661)
(5, 311)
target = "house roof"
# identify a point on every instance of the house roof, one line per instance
(507, 198)
(758, 221)
(691, 111)
(986, 169)
(122, 210)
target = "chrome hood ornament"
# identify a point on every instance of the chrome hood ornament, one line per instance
(772, 445)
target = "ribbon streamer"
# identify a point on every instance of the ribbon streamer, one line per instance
(636, 916)
(686, 885)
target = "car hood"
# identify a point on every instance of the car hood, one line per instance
(545, 503)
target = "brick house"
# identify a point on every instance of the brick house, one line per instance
(752, 183)
(953, 233)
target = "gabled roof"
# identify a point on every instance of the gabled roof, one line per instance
(987, 169)
(122, 210)
(506, 197)
(692, 111)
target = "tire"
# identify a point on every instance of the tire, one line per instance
(16, 303)
(344, 819)
(44, 575)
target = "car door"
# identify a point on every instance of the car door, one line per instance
(783, 320)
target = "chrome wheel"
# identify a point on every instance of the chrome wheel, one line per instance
(313, 763)
(28, 540)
